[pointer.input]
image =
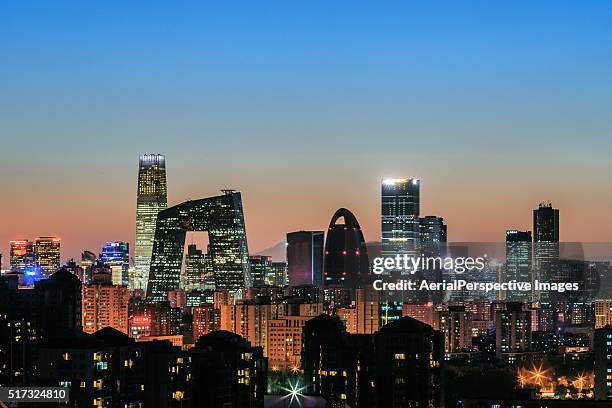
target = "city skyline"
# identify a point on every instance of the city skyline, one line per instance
(500, 111)
(71, 248)
(306, 203)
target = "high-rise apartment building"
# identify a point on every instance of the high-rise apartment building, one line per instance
(454, 324)
(249, 320)
(305, 258)
(284, 349)
(407, 355)
(151, 199)
(512, 329)
(400, 206)
(117, 256)
(104, 305)
(47, 254)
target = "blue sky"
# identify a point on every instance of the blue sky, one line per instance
(494, 105)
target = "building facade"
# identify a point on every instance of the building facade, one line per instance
(305, 258)
(222, 217)
(400, 207)
(47, 254)
(152, 197)
(346, 256)
(116, 255)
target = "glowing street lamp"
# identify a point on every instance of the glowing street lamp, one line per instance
(294, 392)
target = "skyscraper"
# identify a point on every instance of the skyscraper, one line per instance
(546, 243)
(400, 199)
(433, 237)
(432, 234)
(518, 261)
(88, 260)
(152, 198)
(21, 255)
(47, 254)
(346, 256)
(223, 218)
(117, 256)
(260, 267)
(305, 258)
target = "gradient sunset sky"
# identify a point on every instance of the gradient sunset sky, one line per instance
(305, 106)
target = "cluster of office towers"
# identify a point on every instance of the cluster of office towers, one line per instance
(294, 324)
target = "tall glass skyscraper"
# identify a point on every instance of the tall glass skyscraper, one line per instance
(433, 235)
(223, 218)
(47, 254)
(400, 216)
(152, 198)
(546, 244)
(22, 255)
(305, 258)
(518, 261)
(117, 256)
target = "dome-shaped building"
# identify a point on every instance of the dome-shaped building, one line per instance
(346, 257)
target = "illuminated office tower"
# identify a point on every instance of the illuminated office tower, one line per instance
(518, 261)
(152, 198)
(432, 235)
(21, 255)
(305, 258)
(277, 274)
(223, 218)
(88, 260)
(117, 256)
(47, 254)
(400, 216)
(260, 268)
(546, 244)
